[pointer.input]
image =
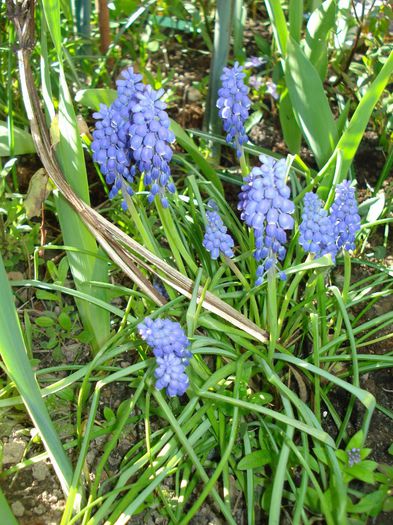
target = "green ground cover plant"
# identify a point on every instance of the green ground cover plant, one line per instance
(195, 327)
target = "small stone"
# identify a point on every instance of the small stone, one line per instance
(193, 95)
(13, 452)
(40, 471)
(39, 510)
(17, 509)
(15, 276)
(90, 457)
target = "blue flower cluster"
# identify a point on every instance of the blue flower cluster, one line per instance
(170, 347)
(233, 104)
(321, 233)
(266, 208)
(353, 456)
(316, 232)
(216, 238)
(133, 134)
(344, 216)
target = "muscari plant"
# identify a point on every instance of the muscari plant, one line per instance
(243, 381)
(132, 136)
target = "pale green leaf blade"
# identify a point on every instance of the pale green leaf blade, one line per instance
(310, 104)
(319, 25)
(23, 142)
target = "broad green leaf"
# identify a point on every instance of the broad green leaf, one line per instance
(92, 98)
(23, 142)
(85, 268)
(290, 129)
(318, 27)
(310, 104)
(17, 365)
(254, 460)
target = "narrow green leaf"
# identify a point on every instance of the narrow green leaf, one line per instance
(7, 518)
(279, 24)
(310, 104)
(222, 35)
(295, 17)
(52, 15)
(14, 355)
(350, 140)
(189, 145)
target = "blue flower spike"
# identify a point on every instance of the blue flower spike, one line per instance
(233, 105)
(344, 216)
(216, 239)
(322, 233)
(316, 232)
(171, 349)
(150, 139)
(132, 135)
(266, 207)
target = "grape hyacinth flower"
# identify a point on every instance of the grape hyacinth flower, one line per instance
(255, 82)
(150, 139)
(271, 89)
(216, 238)
(110, 151)
(254, 62)
(157, 284)
(233, 104)
(321, 233)
(344, 216)
(171, 350)
(133, 134)
(266, 208)
(353, 456)
(316, 232)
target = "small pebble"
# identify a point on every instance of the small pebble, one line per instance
(40, 471)
(17, 509)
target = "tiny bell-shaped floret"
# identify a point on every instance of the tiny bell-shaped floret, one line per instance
(216, 238)
(233, 105)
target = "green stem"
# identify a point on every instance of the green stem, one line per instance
(322, 307)
(346, 285)
(243, 165)
(272, 312)
(317, 394)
